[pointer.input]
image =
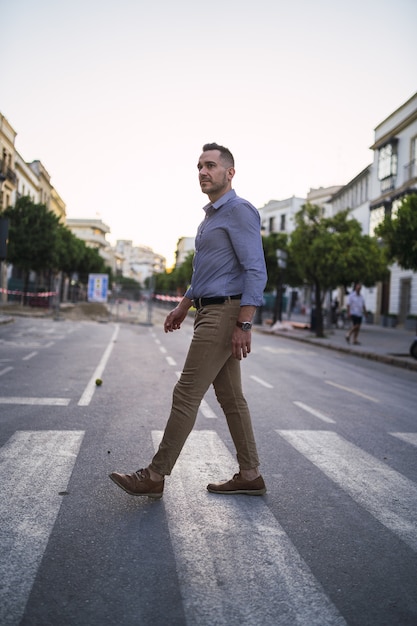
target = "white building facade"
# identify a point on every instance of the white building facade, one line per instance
(393, 177)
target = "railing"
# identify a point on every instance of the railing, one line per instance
(8, 173)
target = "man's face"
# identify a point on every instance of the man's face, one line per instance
(215, 178)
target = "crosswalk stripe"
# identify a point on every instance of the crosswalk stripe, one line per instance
(388, 495)
(205, 408)
(235, 563)
(35, 466)
(35, 401)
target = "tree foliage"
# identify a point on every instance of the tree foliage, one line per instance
(33, 236)
(177, 281)
(39, 242)
(399, 234)
(332, 251)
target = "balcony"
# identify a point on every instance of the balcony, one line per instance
(6, 173)
(388, 184)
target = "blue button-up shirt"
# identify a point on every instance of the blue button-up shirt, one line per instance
(229, 257)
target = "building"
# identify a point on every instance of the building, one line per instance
(185, 245)
(139, 262)
(278, 215)
(8, 179)
(394, 176)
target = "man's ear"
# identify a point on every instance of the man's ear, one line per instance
(230, 173)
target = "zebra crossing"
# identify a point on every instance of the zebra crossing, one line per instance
(226, 549)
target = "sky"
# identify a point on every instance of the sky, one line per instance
(117, 99)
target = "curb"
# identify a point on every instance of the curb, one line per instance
(370, 356)
(6, 320)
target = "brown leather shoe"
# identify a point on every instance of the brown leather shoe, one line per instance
(237, 485)
(139, 484)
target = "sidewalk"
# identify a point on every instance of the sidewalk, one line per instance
(387, 345)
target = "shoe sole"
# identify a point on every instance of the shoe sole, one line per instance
(155, 496)
(245, 492)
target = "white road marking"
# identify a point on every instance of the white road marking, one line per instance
(35, 401)
(91, 386)
(286, 350)
(262, 382)
(35, 466)
(162, 349)
(49, 344)
(235, 563)
(407, 437)
(29, 356)
(321, 416)
(350, 390)
(171, 361)
(206, 410)
(5, 370)
(388, 495)
(204, 406)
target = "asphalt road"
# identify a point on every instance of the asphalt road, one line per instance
(334, 541)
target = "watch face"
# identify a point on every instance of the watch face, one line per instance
(246, 325)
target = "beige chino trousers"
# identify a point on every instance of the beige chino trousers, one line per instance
(209, 361)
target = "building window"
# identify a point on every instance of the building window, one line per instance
(376, 217)
(387, 161)
(271, 224)
(282, 223)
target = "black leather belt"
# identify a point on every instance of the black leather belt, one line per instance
(200, 302)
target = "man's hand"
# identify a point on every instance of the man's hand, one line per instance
(241, 343)
(176, 316)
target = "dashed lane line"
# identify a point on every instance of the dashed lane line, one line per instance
(407, 437)
(262, 382)
(350, 390)
(314, 412)
(91, 386)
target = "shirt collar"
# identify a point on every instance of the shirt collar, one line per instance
(222, 200)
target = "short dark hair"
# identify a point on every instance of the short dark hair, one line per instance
(226, 155)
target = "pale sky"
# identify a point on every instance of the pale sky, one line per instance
(117, 98)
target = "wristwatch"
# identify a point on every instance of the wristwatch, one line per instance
(244, 325)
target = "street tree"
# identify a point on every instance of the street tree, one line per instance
(279, 272)
(33, 238)
(332, 251)
(399, 234)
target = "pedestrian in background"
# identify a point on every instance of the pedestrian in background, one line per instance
(229, 276)
(355, 309)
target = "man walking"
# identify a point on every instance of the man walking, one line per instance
(355, 309)
(227, 284)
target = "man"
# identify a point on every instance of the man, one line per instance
(227, 284)
(355, 308)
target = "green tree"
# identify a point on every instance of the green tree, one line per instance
(33, 237)
(399, 234)
(91, 263)
(332, 251)
(177, 281)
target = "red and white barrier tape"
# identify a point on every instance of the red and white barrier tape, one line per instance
(42, 294)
